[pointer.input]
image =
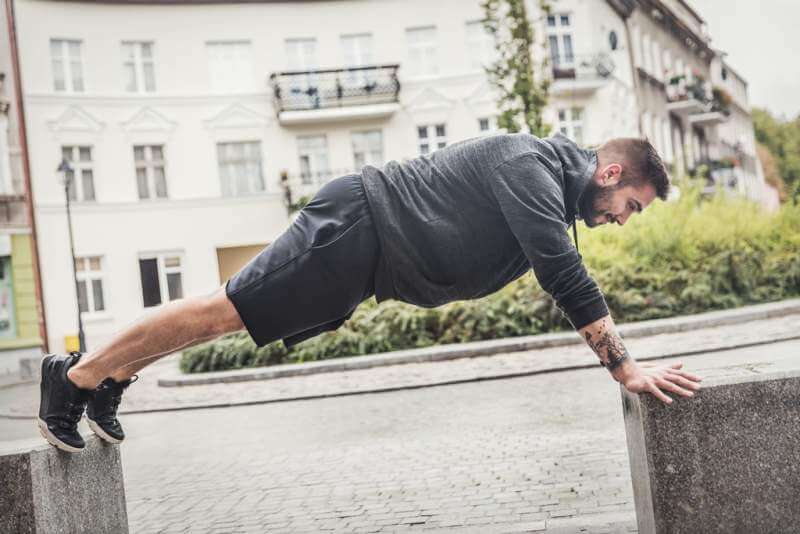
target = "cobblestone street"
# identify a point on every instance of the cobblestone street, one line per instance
(540, 453)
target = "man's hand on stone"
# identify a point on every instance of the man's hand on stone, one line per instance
(655, 379)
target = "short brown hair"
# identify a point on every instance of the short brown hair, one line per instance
(640, 162)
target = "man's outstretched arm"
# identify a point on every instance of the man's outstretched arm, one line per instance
(602, 337)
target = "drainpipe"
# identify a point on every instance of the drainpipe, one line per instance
(634, 74)
(26, 169)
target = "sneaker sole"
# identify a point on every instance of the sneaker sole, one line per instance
(53, 440)
(102, 433)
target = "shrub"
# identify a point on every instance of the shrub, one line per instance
(680, 257)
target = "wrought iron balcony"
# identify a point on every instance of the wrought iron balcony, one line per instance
(335, 88)
(576, 67)
(580, 73)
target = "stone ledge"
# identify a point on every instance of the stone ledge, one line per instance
(45, 490)
(486, 348)
(727, 460)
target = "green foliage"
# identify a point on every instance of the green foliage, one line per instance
(782, 139)
(522, 90)
(680, 257)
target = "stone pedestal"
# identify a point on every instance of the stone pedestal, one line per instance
(44, 490)
(726, 461)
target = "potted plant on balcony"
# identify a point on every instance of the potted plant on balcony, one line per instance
(721, 100)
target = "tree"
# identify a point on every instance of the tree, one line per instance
(519, 79)
(782, 139)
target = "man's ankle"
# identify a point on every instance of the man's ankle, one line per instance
(80, 379)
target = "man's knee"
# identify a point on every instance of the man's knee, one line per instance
(219, 314)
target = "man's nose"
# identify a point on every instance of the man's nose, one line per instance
(623, 218)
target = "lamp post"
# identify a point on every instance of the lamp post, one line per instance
(69, 176)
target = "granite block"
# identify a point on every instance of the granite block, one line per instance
(45, 490)
(726, 461)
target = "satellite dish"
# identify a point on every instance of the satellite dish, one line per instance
(603, 65)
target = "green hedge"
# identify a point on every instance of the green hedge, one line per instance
(679, 257)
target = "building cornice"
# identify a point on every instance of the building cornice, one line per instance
(149, 206)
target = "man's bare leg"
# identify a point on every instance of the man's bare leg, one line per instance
(177, 325)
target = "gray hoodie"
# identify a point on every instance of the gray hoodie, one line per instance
(468, 219)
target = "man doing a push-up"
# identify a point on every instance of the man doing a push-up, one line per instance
(459, 223)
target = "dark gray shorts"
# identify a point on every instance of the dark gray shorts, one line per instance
(315, 274)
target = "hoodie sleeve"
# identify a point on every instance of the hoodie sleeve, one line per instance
(532, 201)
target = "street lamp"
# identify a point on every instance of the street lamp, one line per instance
(69, 176)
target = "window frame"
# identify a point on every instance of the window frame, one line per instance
(87, 275)
(368, 159)
(242, 79)
(149, 165)
(559, 31)
(139, 61)
(67, 61)
(427, 64)
(233, 185)
(163, 271)
(78, 168)
(320, 172)
(432, 137)
(569, 123)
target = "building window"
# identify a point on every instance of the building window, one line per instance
(81, 176)
(666, 134)
(230, 66)
(636, 43)
(367, 148)
(89, 272)
(422, 55)
(65, 56)
(162, 278)
(480, 45)
(647, 54)
(8, 327)
(240, 168)
(313, 153)
(137, 60)
(301, 55)
(658, 68)
(570, 123)
(357, 52)
(487, 124)
(559, 39)
(151, 181)
(6, 180)
(431, 137)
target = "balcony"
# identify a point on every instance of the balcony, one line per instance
(580, 74)
(686, 97)
(303, 97)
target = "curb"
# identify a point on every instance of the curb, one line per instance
(487, 348)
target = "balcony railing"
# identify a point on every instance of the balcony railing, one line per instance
(581, 67)
(335, 88)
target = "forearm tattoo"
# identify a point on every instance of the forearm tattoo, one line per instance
(609, 348)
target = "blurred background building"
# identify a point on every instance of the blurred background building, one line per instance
(182, 122)
(21, 317)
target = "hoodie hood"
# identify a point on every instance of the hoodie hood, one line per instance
(578, 166)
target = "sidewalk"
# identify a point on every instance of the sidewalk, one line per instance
(682, 323)
(146, 396)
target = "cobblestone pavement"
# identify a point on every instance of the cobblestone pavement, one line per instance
(542, 453)
(146, 395)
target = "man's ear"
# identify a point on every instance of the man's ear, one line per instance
(611, 174)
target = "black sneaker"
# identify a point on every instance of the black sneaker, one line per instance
(62, 403)
(101, 412)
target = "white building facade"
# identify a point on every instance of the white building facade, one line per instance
(178, 125)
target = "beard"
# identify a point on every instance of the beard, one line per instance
(594, 202)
